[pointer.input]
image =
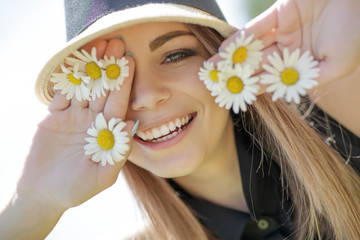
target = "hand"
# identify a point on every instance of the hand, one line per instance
(56, 169)
(330, 29)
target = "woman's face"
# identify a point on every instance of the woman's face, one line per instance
(181, 127)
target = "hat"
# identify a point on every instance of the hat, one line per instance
(87, 20)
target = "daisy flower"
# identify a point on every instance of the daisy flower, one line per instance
(241, 52)
(240, 88)
(116, 71)
(71, 83)
(108, 143)
(209, 75)
(93, 69)
(291, 76)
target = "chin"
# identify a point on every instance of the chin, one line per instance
(179, 166)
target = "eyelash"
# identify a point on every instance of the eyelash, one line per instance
(178, 55)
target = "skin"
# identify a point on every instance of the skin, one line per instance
(331, 32)
(152, 94)
(44, 192)
(158, 89)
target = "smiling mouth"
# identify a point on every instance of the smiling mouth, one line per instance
(166, 131)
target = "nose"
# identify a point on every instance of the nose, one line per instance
(148, 92)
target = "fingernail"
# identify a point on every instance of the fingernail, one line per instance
(129, 54)
(135, 127)
(119, 37)
(219, 50)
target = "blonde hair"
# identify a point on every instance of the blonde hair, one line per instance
(324, 190)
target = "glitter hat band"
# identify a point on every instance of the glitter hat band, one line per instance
(90, 19)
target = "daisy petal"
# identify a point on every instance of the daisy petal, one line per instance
(106, 147)
(291, 76)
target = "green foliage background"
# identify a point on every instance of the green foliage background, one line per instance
(255, 7)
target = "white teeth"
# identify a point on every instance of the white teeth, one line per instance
(161, 134)
(178, 122)
(156, 133)
(164, 130)
(172, 126)
(149, 135)
(167, 137)
(142, 135)
(184, 120)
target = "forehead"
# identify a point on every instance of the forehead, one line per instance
(149, 30)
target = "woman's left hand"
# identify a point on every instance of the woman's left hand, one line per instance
(330, 30)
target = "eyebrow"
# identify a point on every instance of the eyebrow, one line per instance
(161, 40)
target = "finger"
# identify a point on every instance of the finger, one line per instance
(79, 104)
(264, 23)
(269, 50)
(268, 39)
(115, 48)
(99, 44)
(98, 104)
(262, 27)
(260, 71)
(59, 102)
(214, 59)
(262, 87)
(117, 102)
(266, 52)
(109, 173)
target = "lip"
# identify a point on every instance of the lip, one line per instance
(170, 142)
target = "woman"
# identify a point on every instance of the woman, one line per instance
(262, 174)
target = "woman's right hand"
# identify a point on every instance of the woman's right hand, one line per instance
(56, 170)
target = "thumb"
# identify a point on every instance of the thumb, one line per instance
(262, 27)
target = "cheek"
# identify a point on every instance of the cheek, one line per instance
(187, 80)
(197, 89)
(188, 83)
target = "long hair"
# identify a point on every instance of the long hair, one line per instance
(325, 191)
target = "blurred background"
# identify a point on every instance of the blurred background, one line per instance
(31, 32)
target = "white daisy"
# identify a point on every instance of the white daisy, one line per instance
(290, 77)
(209, 75)
(93, 69)
(115, 71)
(108, 143)
(241, 52)
(71, 83)
(240, 88)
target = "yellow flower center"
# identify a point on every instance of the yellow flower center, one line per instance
(235, 84)
(73, 80)
(93, 70)
(214, 76)
(289, 76)
(240, 55)
(105, 139)
(113, 71)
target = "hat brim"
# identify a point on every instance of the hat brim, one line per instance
(156, 12)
